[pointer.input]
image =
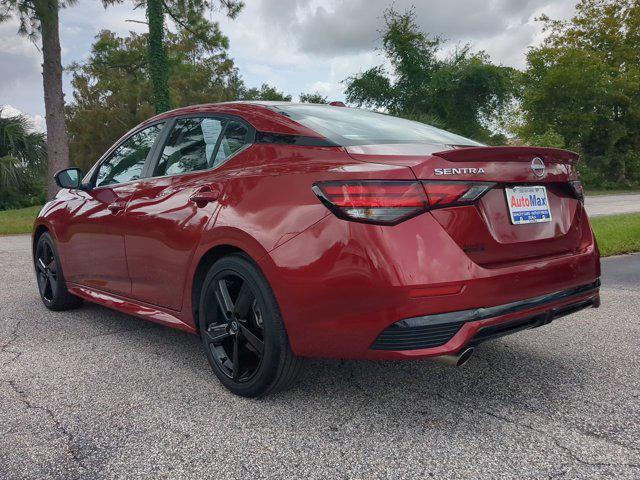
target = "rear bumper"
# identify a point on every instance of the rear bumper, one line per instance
(472, 327)
(340, 284)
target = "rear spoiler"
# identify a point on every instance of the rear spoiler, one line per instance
(509, 154)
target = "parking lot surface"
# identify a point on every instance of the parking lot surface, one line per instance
(612, 204)
(95, 394)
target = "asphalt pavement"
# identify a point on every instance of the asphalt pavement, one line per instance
(612, 204)
(95, 394)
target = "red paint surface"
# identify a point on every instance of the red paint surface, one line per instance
(338, 283)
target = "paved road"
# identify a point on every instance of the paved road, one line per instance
(612, 204)
(95, 394)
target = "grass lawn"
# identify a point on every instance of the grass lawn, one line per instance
(18, 221)
(617, 234)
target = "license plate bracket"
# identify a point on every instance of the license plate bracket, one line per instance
(528, 204)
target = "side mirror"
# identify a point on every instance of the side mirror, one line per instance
(69, 178)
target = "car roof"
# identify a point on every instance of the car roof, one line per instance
(258, 113)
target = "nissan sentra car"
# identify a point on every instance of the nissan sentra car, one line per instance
(277, 231)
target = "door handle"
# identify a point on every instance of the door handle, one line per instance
(205, 195)
(116, 207)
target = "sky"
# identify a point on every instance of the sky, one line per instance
(295, 45)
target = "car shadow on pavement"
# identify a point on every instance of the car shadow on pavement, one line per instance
(513, 371)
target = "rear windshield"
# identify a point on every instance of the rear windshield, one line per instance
(353, 126)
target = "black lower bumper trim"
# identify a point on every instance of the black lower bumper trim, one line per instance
(435, 330)
(503, 329)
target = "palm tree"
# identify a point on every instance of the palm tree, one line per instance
(23, 153)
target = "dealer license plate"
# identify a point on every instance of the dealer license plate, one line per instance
(528, 204)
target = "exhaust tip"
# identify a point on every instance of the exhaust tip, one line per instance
(456, 360)
(464, 356)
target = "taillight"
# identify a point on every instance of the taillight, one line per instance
(577, 189)
(388, 202)
(447, 194)
(381, 202)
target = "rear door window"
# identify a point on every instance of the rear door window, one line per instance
(235, 137)
(190, 147)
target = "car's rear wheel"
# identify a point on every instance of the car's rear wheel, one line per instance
(51, 283)
(242, 331)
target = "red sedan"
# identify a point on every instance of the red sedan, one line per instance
(277, 231)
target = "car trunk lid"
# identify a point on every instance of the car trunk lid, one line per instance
(485, 230)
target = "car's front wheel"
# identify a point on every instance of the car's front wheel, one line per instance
(242, 331)
(51, 283)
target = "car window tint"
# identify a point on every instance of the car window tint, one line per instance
(126, 162)
(190, 146)
(233, 139)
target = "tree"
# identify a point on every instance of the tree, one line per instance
(583, 83)
(39, 20)
(187, 15)
(23, 158)
(157, 56)
(113, 91)
(463, 92)
(315, 97)
(265, 92)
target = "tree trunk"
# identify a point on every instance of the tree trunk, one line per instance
(157, 56)
(622, 172)
(57, 140)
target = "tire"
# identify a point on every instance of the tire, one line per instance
(242, 331)
(50, 278)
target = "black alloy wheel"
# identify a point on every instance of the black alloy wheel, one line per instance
(47, 271)
(241, 329)
(235, 334)
(51, 282)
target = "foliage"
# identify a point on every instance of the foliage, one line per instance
(315, 97)
(113, 91)
(464, 92)
(157, 56)
(31, 13)
(189, 16)
(550, 138)
(583, 84)
(265, 92)
(23, 161)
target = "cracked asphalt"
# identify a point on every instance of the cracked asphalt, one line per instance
(95, 394)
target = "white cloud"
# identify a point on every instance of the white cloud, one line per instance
(20, 82)
(295, 45)
(37, 122)
(342, 27)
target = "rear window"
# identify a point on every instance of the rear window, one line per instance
(353, 126)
